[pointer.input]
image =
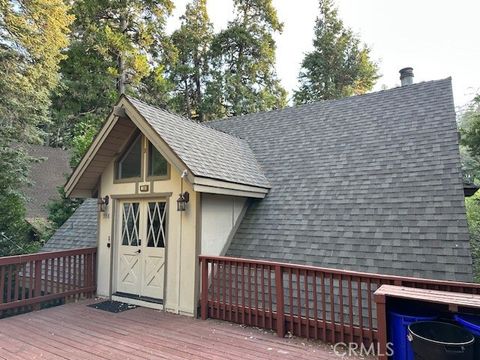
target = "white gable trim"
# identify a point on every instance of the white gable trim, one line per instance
(223, 191)
(89, 155)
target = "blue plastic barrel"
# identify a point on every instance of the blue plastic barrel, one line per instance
(472, 324)
(398, 322)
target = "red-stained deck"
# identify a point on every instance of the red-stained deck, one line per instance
(75, 331)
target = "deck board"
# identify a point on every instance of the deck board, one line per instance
(75, 331)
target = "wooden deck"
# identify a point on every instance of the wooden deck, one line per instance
(75, 331)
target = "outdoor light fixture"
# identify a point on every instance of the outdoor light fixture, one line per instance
(182, 201)
(103, 203)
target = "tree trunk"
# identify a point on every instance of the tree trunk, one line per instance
(239, 74)
(198, 88)
(188, 109)
(121, 60)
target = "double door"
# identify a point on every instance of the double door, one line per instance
(142, 235)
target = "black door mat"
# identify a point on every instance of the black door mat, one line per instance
(112, 306)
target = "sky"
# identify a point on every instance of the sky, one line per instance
(438, 38)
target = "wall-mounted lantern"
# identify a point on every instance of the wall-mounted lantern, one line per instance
(182, 201)
(103, 204)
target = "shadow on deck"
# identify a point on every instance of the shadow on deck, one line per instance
(75, 331)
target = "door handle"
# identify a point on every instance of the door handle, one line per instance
(138, 251)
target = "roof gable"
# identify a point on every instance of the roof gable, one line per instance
(206, 152)
(215, 161)
(46, 177)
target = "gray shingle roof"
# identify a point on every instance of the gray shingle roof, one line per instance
(46, 176)
(79, 231)
(207, 152)
(370, 183)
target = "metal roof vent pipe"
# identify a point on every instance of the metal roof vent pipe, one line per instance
(406, 76)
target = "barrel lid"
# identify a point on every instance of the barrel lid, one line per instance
(441, 333)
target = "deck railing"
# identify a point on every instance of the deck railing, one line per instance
(33, 280)
(318, 303)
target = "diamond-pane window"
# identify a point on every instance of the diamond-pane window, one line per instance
(130, 224)
(156, 224)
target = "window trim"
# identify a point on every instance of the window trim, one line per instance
(147, 156)
(128, 145)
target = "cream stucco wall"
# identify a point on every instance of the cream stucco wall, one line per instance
(181, 286)
(220, 216)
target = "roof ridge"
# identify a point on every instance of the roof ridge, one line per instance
(206, 124)
(161, 109)
(184, 118)
(347, 98)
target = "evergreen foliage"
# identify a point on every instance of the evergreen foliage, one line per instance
(339, 64)
(473, 218)
(61, 210)
(470, 131)
(32, 35)
(117, 47)
(469, 124)
(191, 71)
(243, 61)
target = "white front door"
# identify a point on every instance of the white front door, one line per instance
(141, 251)
(153, 267)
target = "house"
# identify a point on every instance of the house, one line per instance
(46, 176)
(370, 183)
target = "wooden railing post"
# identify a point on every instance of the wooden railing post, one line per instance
(84, 270)
(381, 326)
(2, 284)
(88, 273)
(280, 301)
(37, 288)
(204, 295)
(94, 271)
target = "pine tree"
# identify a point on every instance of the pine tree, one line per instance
(469, 125)
(32, 34)
(243, 61)
(339, 65)
(190, 72)
(84, 96)
(117, 47)
(126, 34)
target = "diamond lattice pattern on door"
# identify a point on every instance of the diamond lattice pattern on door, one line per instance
(130, 224)
(156, 224)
